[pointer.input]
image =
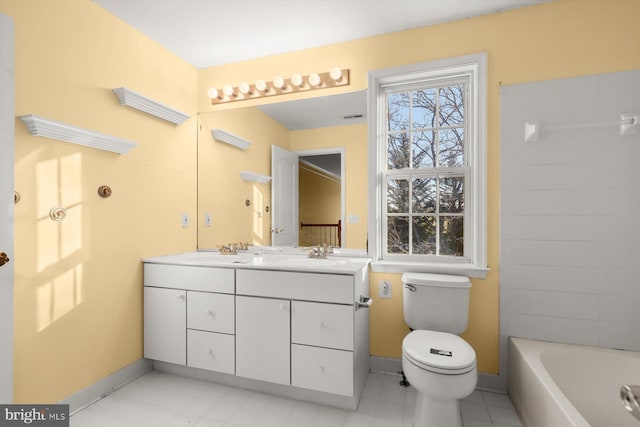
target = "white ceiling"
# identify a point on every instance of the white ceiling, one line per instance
(206, 33)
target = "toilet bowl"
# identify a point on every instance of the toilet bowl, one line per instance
(442, 368)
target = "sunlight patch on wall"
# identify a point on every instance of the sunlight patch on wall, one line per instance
(258, 216)
(58, 184)
(58, 296)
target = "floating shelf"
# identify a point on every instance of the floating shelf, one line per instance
(140, 102)
(224, 136)
(254, 177)
(40, 126)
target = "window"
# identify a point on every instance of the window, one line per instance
(427, 167)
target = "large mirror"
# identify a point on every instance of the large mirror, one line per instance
(239, 201)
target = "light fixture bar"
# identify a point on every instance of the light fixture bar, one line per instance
(224, 136)
(280, 86)
(140, 102)
(40, 126)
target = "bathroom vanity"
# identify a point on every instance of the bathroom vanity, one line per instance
(279, 323)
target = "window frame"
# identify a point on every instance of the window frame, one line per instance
(471, 67)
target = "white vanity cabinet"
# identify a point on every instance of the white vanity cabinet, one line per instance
(189, 316)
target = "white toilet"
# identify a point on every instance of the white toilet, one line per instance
(435, 360)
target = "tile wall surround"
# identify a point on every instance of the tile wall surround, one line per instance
(570, 214)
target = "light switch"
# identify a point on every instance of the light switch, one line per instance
(185, 220)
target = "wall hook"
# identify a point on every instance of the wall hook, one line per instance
(104, 191)
(16, 197)
(57, 213)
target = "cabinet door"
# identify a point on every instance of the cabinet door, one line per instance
(262, 339)
(165, 325)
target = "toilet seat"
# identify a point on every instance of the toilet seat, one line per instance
(439, 352)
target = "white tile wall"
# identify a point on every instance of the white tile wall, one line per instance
(570, 213)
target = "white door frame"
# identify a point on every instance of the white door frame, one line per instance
(7, 159)
(343, 187)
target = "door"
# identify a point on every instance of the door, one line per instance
(7, 134)
(263, 331)
(284, 197)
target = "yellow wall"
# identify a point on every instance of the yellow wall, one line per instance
(78, 295)
(78, 283)
(221, 191)
(353, 138)
(564, 38)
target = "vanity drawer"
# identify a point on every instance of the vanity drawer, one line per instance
(322, 369)
(211, 312)
(292, 285)
(322, 325)
(211, 351)
(189, 277)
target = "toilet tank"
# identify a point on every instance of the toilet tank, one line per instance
(436, 302)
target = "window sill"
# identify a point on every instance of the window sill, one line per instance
(468, 270)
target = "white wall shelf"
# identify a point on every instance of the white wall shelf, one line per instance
(228, 138)
(254, 177)
(140, 102)
(40, 126)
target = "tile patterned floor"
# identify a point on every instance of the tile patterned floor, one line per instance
(160, 399)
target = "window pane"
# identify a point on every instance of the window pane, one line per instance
(424, 195)
(451, 236)
(451, 146)
(398, 196)
(398, 111)
(398, 235)
(424, 150)
(424, 235)
(398, 151)
(451, 105)
(424, 108)
(452, 194)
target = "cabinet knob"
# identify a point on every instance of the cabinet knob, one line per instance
(321, 325)
(209, 352)
(210, 313)
(181, 297)
(320, 369)
(284, 307)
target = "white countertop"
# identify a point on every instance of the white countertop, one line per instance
(267, 260)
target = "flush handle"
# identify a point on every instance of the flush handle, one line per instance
(363, 302)
(410, 287)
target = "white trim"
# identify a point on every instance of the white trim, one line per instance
(107, 385)
(343, 180)
(7, 148)
(474, 65)
(150, 106)
(254, 177)
(229, 138)
(41, 126)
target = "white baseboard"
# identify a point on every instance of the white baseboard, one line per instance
(106, 386)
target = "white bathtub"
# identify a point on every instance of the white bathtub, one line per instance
(557, 385)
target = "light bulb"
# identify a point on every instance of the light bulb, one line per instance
(261, 86)
(244, 88)
(228, 90)
(296, 80)
(335, 73)
(213, 93)
(314, 80)
(278, 82)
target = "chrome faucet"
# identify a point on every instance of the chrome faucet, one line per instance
(319, 251)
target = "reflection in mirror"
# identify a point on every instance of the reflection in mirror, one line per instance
(318, 131)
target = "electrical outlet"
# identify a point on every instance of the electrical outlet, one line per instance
(385, 289)
(207, 219)
(185, 220)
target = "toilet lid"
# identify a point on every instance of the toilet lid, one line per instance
(439, 352)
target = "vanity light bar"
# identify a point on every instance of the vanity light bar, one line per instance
(40, 126)
(279, 86)
(140, 102)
